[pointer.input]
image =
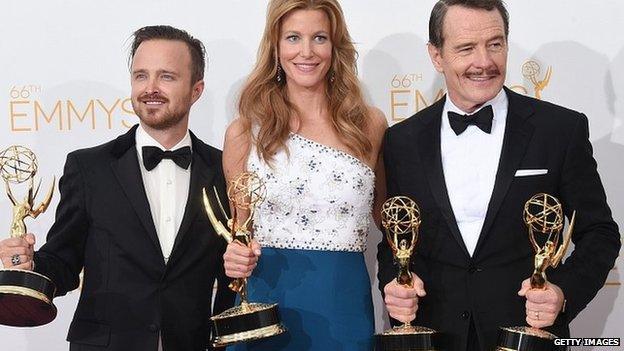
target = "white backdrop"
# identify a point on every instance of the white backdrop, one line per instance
(66, 86)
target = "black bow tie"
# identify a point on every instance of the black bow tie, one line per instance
(481, 119)
(152, 156)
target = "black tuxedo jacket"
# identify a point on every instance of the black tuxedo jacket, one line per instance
(538, 135)
(129, 295)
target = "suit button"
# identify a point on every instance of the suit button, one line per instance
(473, 269)
(465, 315)
(153, 327)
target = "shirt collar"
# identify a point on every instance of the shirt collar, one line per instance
(144, 139)
(498, 103)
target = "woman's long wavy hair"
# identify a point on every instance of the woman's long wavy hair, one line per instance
(264, 101)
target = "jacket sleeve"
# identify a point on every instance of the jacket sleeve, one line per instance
(596, 238)
(61, 258)
(386, 268)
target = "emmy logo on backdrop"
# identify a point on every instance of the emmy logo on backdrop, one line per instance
(531, 71)
(543, 216)
(400, 218)
(248, 321)
(25, 296)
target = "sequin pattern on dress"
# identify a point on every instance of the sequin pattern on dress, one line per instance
(318, 198)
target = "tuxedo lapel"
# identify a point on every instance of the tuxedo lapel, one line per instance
(126, 169)
(428, 139)
(517, 136)
(203, 172)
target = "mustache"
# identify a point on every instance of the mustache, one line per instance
(153, 97)
(484, 72)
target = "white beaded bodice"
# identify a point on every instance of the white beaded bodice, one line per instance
(318, 198)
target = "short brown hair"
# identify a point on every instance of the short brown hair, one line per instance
(196, 48)
(438, 13)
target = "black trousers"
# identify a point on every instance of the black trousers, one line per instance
(473, 339)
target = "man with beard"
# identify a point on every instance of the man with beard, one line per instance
(471, 161)
(130, 215)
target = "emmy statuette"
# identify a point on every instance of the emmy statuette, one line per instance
(247, 321)
(400, 218)
(542, 215)
(25, 296)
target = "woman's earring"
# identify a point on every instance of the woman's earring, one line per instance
(278, 77)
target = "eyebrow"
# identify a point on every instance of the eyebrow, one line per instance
(473, 43)
(135, 71)
(160, 71)
(299, 33)
(498, 37)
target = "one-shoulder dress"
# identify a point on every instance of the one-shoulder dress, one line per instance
(313, 226)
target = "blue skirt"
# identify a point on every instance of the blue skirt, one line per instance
(324, 300)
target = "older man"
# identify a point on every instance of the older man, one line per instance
(471, 161)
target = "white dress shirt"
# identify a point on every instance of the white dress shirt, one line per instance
(470, 162)
(167, 188)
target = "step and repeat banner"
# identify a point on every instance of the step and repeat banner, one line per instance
(64, 85)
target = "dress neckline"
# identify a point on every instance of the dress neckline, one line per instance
(336, 150)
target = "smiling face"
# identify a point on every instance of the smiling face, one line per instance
(162, 88)
(473, 57)
(305, 48)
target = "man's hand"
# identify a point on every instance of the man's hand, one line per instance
(542, 305)
(240, 260)
(17, 253)
(402, 301)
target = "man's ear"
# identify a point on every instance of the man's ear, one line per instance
(198, 89)
(436, 57)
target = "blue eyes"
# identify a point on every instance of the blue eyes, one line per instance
(317, 39)
(142, 76)
(320, 39)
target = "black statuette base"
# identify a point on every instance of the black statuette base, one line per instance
(245, 323)
(526, 339)
(26, 298)
(418, 341)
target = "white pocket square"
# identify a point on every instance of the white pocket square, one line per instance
(530, 172)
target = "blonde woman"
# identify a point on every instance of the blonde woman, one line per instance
(305, 129)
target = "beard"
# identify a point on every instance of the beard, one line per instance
(158, 119)
(161, 120)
